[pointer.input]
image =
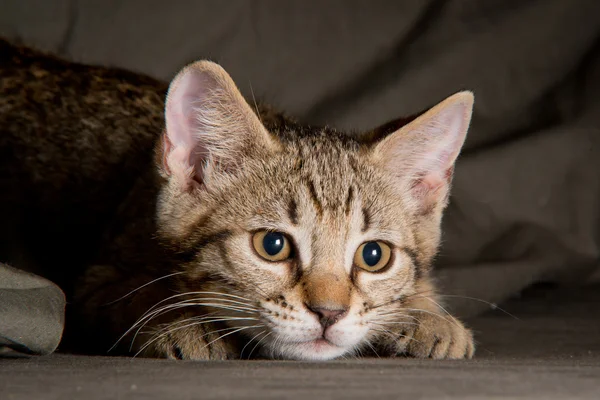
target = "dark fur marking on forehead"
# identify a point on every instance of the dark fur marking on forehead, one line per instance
(349, 200)
(288, 131)
(202, 221)
(315, 198)
(352, 163)
(366, 219)
(313, 245)
(293, 211)
(225, 256)
(313, 242)
(191, 253)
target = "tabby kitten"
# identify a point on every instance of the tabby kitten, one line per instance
(243, 233)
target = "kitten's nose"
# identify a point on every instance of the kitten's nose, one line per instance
(327, 316)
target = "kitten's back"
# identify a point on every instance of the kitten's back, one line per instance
(73, 140)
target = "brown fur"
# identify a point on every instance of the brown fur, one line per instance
(99, 199)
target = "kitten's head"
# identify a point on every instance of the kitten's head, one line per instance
(304, 239)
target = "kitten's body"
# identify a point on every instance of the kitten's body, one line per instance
(84, 204)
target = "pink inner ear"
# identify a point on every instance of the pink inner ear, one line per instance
(184, 150)
(422, 154)
(429, 188)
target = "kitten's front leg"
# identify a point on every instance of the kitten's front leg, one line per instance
(435, 334)
(430, 332)
(181, 339)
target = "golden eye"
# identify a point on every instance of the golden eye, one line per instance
(272, 246)
(372, 256)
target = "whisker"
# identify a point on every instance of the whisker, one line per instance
(205, 320)
(179, 306)
(395, 323)
(251, 340)
(231, 333)
(143, 286)
(170, 331)
(402, 298)
(395, 314)
(391, 334)
(179, 295)
(158, 335)
(359, 352)
(368, 343)
(387, 303)
(421, 294)
(201, 293)
(148, 316)
(195, 318)
(492, 305)
(439, 305)
(395, 336)
(453, 321)
(352, 353)
(244, 299)
(263, 338)
(232, 303)
(171, 307)
(190, 302)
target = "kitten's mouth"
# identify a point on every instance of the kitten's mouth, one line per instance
(321, 342)
(319, 348)
(313, 350)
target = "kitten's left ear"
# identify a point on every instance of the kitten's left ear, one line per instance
(421, 154)
(209, 125)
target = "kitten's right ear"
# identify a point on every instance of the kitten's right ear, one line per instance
(421, 154)
(209, 125)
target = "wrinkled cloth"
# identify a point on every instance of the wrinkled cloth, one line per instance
(32, 313)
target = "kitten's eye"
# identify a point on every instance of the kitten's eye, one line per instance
(272, 246)
(372, 256)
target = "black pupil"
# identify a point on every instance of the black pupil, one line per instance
(273, 243)
(371, 254)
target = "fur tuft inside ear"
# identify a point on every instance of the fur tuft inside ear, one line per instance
(208, 122)
(421, 154)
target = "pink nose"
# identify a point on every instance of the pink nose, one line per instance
(328, 317)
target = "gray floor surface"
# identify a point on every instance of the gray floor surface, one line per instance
(551, 350)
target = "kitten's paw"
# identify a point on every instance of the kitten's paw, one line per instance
(436, 336)
(189, 343)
